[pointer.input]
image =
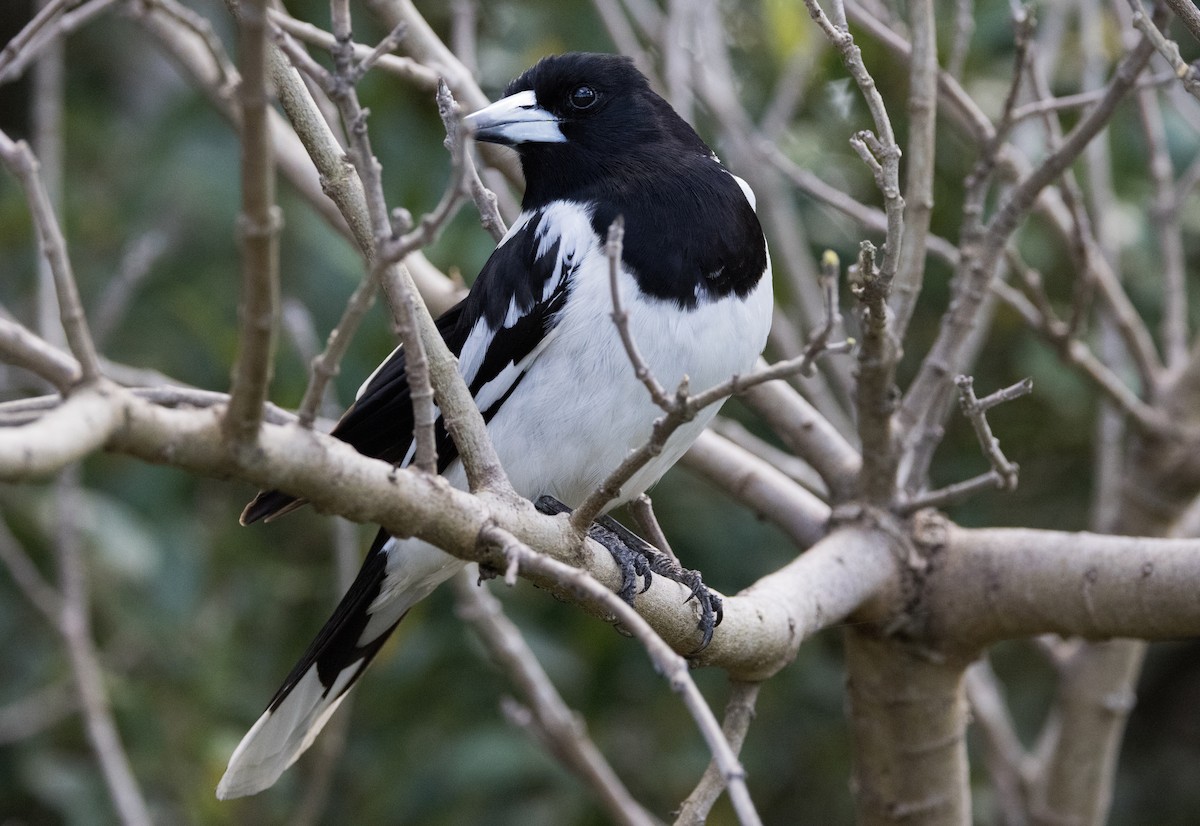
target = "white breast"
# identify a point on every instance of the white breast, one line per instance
(581, 409)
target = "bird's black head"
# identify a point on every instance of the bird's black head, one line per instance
(581, 120)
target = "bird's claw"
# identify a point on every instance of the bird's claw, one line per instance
(635, 557)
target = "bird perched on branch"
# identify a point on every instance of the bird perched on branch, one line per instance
(538, 348)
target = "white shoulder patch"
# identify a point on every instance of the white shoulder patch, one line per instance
(746, 190)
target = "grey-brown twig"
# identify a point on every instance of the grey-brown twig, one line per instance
(682, 406)
(259, 226)
(19, 346)
(642, 509)
(53, 21)
(739, 714)
(975, 409)
(1169, 49)
(462, 418)
(20, 161)
(549, 719)
(669, 664)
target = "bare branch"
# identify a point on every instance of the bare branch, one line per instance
(75, 627)
(927, 391)
(808, 434)
(953, 493)
(77, 427)
(877, 393)
(21, 347)
(1065, 583)
(462, 418)
(137, 261)
(1006, 759)
(795, 468)
(428, 227)
(760, 487)
(908, 716)
(643, 513)
(423, 43)
(420, 76)
(416, 367)
(50, 25)
(560, 729)
(975, 410)
(1168, 48)
(739, 714)
(1188, 14)
(1049, 105)
(672, 666)
(964, 27)
(24, 167)
(259, 226)
(1168, 232)
(36, 588)
(612, 250)
(918, 193)
(1083, 736)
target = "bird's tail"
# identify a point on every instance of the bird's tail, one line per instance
(394, 576)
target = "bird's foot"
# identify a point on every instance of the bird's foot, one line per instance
(635, 557)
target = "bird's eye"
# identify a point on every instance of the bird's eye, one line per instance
(583, 97)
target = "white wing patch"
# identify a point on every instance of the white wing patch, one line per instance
(362, 388)
(566, 223)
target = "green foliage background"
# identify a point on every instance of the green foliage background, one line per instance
(198, 620)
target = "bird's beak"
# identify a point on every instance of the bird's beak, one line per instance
(514, 120)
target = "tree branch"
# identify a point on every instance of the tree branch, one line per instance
(259, 226)
(1002, 583)
(555, 725)
(24, 167)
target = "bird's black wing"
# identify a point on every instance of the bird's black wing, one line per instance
(494, 332)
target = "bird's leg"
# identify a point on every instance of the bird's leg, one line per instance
(636, 557)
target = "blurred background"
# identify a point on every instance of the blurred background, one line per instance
(198, 620)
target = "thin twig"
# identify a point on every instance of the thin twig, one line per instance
(642, 509)
(952, 494)
(259, 226)
(1168, 48)
(613, 246)
(29, 580)
(975, 409)
(682, 406)
(928, 391)
(21, 347)
(421, 76)
(964, 28)
(1168, 232)
(137, 262)
(416, 368)
(24, 166)
(1045, 106)
(874, 219)
(462, 418)
(556, 726)
(50, 25)
(456, 191)
(1005, 756)
(739, 714)
(75, 627)
(669, 664)
(918, 191)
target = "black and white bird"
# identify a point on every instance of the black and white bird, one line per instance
(538, 348)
